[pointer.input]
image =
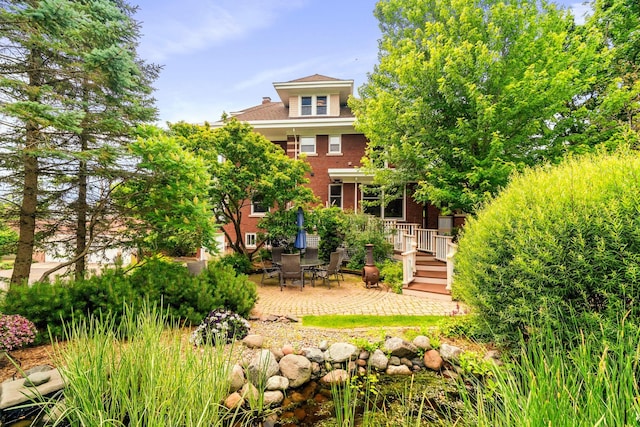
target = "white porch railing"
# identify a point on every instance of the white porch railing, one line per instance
(409, 260)
(408, 239)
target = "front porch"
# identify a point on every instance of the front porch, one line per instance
(427, 258)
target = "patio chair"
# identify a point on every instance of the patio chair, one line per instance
(291, 269)
(269, 271)
(343, 258)
(331, 270)
(311, 254)
(276, 254)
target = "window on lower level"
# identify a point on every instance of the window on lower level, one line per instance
(250, 240)
(335, 195)
(308, 144)
(335, 144)
(372, 203)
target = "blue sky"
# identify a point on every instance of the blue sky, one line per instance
(224, 55)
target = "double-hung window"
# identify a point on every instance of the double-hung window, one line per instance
(335, 195)
(316, 105)
(250, 240)
(335, 144)
(258, 207)
(374, 203)
(308, 144)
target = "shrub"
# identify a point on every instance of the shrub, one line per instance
(557, 242)
(362, 230)
(15, 332)
(391, 275)
(232, 291)
(220, 326)
(239, 262)
(330, 224)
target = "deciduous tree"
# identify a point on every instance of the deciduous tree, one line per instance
(468, 91)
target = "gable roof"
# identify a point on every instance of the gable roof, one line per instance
(315, 78)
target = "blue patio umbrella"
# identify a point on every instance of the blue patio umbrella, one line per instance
(301, 237)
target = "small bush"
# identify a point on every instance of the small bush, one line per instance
(362, 230)
(232, 291)
(15, 332)
(558, 242)
(239, 262)
(391, 275)
(220, 326)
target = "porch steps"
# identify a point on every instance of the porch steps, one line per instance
(430, 278)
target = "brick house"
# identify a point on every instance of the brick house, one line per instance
(312, 117)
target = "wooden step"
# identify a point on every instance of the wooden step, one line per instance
(430, 280)
(421, 267)
(425, 289)
(433, 274)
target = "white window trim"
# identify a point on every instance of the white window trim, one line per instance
(250, 237)
(382, 208)
(341, 195)
(315, 146)
(334, 153)
(314, 105)
(256, 214)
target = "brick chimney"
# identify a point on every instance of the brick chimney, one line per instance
(266, 99)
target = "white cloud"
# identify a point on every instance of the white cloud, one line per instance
(580, 12)
(189, 26)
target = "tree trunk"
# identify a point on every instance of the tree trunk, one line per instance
(26, 241)
(81, 226)
(24, 255)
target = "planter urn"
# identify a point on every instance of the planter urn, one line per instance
(370, 273)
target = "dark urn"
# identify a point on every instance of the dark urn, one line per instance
(370, 273)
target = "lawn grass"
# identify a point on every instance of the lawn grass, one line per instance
(370, 321)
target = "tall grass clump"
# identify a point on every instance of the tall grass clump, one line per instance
(564, 237)
(153, 378)
(594, 383)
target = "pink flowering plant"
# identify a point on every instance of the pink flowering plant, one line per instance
(15, 331)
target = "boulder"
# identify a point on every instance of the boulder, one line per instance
(296, 368)
(277, 382)
(236, 378)
(273, 397)
(262, 366)
(314, 354)
(234, 400)
(341, 352)
(337, 376)
(400, 348)
(432, 360)
(379, 360)
(422, 342)
(253, 341)
(450, 353)
(398, 370)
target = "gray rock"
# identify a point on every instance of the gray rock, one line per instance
(337, 376)
(364, 355)
(39, 368)
(15, 392)
(262, 366)
(324, 345)
(405, 361)
(432, 360)
(250, 392)
(314, 354)
(277, 382)
(394, 361)
(398, 370)
(236, 378)
(37, 378)
(399, 347)
(450, 353)
(379, 360)
(272, 398)
(341, 352)
(296, 368)
(253, 341)
(422, 342)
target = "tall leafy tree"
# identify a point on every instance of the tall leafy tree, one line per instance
(166, 203)
(467, 91)
(70, 83)
(244, 166)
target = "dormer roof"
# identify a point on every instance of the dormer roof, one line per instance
(313, 85)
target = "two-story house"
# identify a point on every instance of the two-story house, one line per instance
(312, 117)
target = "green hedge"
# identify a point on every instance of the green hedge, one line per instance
(557, 240)
(184, 296)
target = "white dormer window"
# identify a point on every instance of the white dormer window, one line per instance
(316, 105)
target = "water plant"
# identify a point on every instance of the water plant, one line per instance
(153, 378)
